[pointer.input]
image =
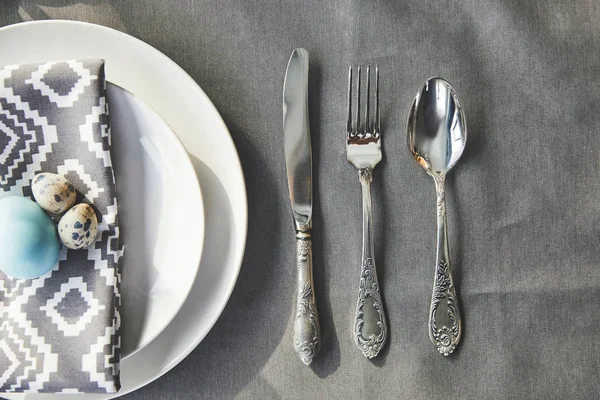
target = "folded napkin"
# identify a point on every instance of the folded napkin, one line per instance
(61, 332)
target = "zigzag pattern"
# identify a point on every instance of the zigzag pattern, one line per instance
(54, 118)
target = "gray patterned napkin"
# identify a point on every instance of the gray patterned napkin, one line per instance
(61, 332)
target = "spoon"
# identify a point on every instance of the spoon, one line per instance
(437, 134)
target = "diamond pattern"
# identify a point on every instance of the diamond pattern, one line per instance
(61, 331)
(39, 80)
(72, 306)
(68, 78)
(53, 311)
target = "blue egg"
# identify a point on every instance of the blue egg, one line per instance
(28, 239)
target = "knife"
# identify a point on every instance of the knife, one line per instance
(298, 161)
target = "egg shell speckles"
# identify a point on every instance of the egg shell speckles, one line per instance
(78, 228)
(53, 192)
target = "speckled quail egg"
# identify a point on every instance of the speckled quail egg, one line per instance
(53, 192)
(78, 228)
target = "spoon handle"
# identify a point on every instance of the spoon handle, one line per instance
(370, 326)
(307, 333)
(444, 314)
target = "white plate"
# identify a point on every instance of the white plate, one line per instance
(160, 216)
(171, 93)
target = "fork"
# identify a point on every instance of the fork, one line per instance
(363, 150)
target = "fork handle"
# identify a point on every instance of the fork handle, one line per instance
(307, 333)
(445, 323)
(370, 326)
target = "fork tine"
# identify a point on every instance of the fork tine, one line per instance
(349, 126)
(377, 121)
(358, 102)
(368, 101)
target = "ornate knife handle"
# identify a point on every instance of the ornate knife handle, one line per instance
(370, 326)
(307, 333)
(444, 314)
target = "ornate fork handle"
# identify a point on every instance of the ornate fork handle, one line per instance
(307, 333)
(444, 313)
(370, 326)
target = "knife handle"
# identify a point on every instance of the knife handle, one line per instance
(307, 333)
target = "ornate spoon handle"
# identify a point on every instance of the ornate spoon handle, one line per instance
(444, 314)
(370, 326)
(307, 333)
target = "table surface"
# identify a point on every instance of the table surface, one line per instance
(523, 202)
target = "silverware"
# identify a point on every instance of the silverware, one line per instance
(363, 150)
(298, 159)
(437, 134)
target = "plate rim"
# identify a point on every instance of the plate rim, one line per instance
(237, 254)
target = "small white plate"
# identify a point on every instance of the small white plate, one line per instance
(163, 86)
(160, 216)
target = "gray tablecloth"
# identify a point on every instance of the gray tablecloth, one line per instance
(523, 204)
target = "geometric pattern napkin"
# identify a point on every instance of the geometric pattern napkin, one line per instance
(61, 332)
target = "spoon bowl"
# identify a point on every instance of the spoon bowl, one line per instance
(436, 131)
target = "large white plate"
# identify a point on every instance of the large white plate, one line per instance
(162, 85)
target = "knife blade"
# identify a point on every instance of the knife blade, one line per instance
(298, 160)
